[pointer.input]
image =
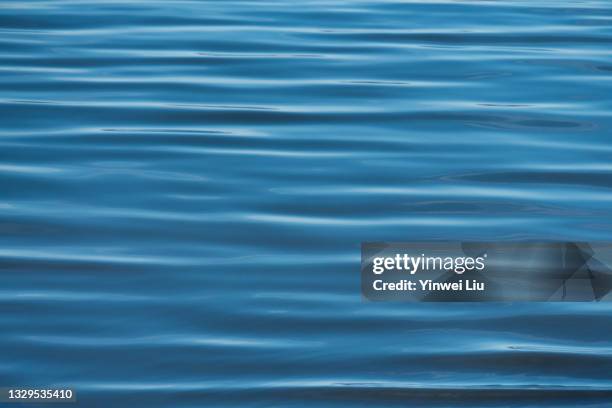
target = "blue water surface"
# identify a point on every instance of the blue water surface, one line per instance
(185, 186)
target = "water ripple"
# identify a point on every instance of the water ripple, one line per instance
(185, 186)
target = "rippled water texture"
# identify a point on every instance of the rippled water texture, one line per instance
(185, 185)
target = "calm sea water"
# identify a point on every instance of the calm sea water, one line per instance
(185, 186)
